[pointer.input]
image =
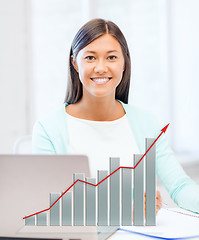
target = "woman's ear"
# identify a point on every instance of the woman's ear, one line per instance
(74, 63)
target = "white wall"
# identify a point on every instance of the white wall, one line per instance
(53, 26)
(13, 73)
(185, 74)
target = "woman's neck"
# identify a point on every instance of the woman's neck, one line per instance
(96, 109)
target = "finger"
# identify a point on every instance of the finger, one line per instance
(157, 209)
(158, 195)
(158, 203)
(158, 206)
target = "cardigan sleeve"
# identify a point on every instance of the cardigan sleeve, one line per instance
(182, 189)
(41, 142)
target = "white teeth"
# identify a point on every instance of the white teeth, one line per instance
(100, 80)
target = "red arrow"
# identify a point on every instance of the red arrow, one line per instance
(165, 128)
(78, 180)
(162, 131)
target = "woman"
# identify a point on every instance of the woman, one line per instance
(96, 119)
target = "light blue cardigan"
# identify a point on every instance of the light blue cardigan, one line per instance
(50, 136)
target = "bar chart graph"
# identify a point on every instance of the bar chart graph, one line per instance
(115, 197)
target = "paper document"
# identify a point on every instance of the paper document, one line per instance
(171, 223)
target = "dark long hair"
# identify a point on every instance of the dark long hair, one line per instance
(88, 33)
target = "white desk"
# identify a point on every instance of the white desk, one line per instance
(170, 224)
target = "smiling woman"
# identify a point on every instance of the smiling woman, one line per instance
(96, 119)
(100, 72)
(96, 42)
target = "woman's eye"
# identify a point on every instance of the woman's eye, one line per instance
(112, 57)
(89, 58)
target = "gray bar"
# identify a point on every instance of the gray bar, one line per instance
(150, 183)
(114, 192)
(67, 209)
(55, 210)
(102, 199)
(90, 202)
(42, 219)
(138, 191)
(78, 200)
(126, 197)
(30, 221)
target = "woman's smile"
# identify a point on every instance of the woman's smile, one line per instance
(101, 80)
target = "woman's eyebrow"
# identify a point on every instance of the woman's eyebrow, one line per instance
(110, 51)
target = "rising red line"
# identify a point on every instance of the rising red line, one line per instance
(78, 180)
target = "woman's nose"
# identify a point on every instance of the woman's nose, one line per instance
(101, 66)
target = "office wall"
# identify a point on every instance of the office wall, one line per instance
(13, 73)
(184, 67)
(53, 25)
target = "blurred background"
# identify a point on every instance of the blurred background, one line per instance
(163, 37)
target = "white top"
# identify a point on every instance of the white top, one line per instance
(100, 140)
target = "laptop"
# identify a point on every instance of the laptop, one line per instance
(26, 182)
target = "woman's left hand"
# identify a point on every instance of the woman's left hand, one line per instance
(158, 202)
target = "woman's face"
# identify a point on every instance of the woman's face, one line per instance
(100, 66)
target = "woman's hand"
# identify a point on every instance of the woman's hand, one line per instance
(158, 202)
